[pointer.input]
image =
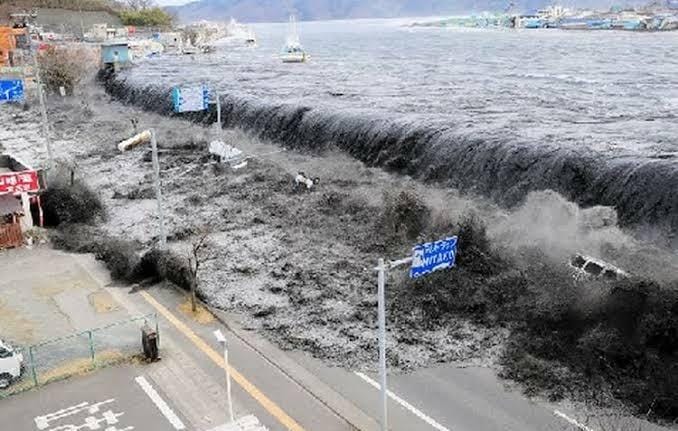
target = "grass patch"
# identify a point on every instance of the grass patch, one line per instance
(202, 315)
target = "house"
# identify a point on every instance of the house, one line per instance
(19, 187)
(115, 53)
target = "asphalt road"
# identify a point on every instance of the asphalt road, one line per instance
(284, 390)
(112, 399)
(259, 375)
(448, 398)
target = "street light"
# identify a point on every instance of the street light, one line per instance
(142, 138)
(222, 340)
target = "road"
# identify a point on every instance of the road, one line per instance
(112, 399)
(445, 398)
(282, 390)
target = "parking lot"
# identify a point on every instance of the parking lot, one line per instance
(55, 310)
(49, 294)
(115, 399)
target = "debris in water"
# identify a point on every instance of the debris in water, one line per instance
(596, 268)
(302, 180)
(224, 152)
(138, 139)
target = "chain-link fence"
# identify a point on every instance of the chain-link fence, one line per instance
(79, 353)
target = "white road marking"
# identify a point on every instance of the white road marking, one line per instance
(42, 422)
(582, 427)
(160, 403)
(404, 403)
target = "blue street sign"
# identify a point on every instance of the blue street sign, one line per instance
(190, 99)
(432, 256)
(11, 90)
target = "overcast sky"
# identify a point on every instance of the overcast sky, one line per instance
(172, 2)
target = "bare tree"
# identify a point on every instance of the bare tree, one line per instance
(196, 258)
(139, 4)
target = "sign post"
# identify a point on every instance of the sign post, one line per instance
(426, 258)
(381, 311)
(218, 112)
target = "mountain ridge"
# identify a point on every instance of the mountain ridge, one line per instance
(313, 10)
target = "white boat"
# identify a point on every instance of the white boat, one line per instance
(293, 52)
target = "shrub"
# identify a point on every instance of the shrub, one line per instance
(63, 203)
(166, 265)
(404, 215)
(118, 255)
(66, 66)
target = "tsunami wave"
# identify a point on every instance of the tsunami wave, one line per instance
(642, 190)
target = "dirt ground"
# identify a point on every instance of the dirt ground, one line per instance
(299, 263)
(47, 307)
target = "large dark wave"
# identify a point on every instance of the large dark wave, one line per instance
(643, 191)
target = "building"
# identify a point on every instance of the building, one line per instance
(19, 188)
(115, 53)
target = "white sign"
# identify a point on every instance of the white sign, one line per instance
(190, 99)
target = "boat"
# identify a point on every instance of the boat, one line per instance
(251, 39)
(293, 52)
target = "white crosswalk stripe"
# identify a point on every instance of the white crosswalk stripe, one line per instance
(246, 423)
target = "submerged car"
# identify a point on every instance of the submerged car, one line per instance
(596, 268)
(11, 364)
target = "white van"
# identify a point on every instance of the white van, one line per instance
(11, 365)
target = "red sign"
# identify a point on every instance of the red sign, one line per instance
(17, 182)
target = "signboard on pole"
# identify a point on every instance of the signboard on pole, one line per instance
(433, 256)
(11, 90)
(18, 182)
(190, 99)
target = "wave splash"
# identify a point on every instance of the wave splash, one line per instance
(643, 191)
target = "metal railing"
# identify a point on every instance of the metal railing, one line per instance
(80, 353)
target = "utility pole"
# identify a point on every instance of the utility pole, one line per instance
(43, 108)
(158, 191)
(82, 25)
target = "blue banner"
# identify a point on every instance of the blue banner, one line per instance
(433, 256)
(11, 90)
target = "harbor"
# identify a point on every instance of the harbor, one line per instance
(656, 16)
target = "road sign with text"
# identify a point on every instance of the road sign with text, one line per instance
(433, 256)
(11, 90)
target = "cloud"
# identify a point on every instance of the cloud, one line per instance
(172, 2)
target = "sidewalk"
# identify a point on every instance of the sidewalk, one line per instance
(259, 387)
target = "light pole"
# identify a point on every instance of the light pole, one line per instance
(381, 269)
(222, 340)
(142, 138)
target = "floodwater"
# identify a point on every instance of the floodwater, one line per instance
(592, 115)
(612, 91)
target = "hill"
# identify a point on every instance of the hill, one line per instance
(276, 10)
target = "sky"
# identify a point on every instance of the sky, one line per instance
(172, 2)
